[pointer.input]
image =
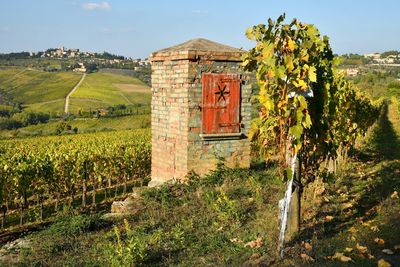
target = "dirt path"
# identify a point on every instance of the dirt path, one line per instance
(127, 100)
(72, 91)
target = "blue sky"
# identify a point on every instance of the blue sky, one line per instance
(136, 28)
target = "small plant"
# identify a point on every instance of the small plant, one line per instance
(129, 251)
(225, 209)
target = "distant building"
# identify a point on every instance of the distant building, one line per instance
(352, 72)
(373, 56)
(81, 68)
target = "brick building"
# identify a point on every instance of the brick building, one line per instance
(200, 109)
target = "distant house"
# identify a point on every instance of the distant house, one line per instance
(384, 60)
(373, 56)
(81, 68)
(351, 72)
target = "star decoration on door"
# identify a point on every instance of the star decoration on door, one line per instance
(221, 92)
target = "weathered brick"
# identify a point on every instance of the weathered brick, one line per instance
(176, 118)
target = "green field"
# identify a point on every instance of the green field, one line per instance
(30, 86)
(84, 125)
(37, 62)
(100, 90)
(56, 106)
(41, 91)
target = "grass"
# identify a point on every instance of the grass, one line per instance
(224, 219)
(100, 90)
(30, 86)
(55, 106)
(37, 62)
(41, 91)
(67, 242)
(229, 218)
(84, 125)
(361, 204)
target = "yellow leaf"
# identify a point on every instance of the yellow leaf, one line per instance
(395, 195)
(301, 84)
(347, 205)
(345, 259)
(289, 65)
(361, 249)
(305, 257)
(307, 246)
(305, 57)
(379, 241)
(312, 75)
(337, 255)
(255, 243)
(375, 228)
(383, 263)
(348, 250)
(290, 45)
(249, 33)
(353, 230)
(341, 257)
(329, 218)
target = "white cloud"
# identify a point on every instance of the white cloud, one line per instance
(97, 6)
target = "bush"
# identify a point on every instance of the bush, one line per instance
(62, 234)
(9, 123)
(31, 118)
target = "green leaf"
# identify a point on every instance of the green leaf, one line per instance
(288, 174)
(296, 131)
(270, 22)
(299, 115)
(307, 123)
(302, 102)
(281, 18)
(312, 31)
(280, 72)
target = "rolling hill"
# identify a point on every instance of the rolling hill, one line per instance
(101, 90)
(29, 86)
(41, 91)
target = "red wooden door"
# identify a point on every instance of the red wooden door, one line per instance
(220, 103)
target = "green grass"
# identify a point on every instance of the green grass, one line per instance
(360, 202)
(229, 218)
(30, 86)
(205, 222)
(54, 106)
(85, 125)
(100, 90)
(37, 62)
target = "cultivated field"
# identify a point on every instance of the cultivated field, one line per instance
(30, 86)
(84, 125)
(100, 90)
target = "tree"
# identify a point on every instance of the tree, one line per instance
(91, 67)
(286, 58)
(308, 110)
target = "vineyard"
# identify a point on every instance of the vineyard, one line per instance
(40, 172)
(322, 189)
(307, 107)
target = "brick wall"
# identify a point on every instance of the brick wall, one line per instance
(177, 147)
